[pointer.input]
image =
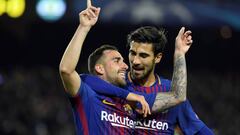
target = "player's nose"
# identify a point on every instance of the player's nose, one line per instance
(124, 66)
(136, 60)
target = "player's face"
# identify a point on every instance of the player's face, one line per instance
(115, 68)
(142, 60)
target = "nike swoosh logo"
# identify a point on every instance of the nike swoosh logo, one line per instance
(108, 103)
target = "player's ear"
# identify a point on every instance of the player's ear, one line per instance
(158, 58)
(99, 69)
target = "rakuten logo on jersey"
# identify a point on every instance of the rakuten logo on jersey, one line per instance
(116, 120)
(119, 121)
(151, 125)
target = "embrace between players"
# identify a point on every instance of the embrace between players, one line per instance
(112, 100)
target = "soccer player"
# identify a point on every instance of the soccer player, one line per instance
(94, 113)
(146, 45)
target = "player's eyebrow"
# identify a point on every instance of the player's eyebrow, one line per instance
(116, 58)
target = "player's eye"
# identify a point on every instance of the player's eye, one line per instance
(116, 60)
(132, 53)
(144, 55)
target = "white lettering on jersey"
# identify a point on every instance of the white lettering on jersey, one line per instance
(152, 125)
(125, 122)
(117, 120)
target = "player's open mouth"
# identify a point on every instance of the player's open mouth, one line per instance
(137, 70)
(122, 74)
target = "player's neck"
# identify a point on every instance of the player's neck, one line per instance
(148, 81)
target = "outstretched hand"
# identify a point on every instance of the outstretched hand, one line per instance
(183, 41)
(89, 16)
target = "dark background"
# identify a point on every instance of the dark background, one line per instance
(32, 98)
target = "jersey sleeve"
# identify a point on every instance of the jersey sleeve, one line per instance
(150, 98)
(205, 131)
(102, 87)
(188, 119)
(166, 83)
(105, 88)
(84, 92)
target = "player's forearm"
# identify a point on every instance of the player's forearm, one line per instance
(163, 101)
(72, 53)
(166, 100)
(179, 80)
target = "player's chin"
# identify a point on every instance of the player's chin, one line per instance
(122, 82)
(137, 76)
(137, 73)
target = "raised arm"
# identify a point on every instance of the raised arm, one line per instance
(69, 76)
(165, 100)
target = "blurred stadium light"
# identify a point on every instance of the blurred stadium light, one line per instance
(51, 10)
(218, 20)
(14, 8)
(172, 12)
(199, 13)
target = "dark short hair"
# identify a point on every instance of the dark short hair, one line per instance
(148, 34)
(96, 55)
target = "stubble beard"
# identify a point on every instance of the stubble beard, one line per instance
(117, 81)
(140, 77)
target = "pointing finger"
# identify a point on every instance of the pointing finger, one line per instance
(89, 3)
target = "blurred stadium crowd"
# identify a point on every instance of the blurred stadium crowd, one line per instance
(33, 103)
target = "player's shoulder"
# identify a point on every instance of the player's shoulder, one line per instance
(84, 76)
(85, 88)
(164, 81)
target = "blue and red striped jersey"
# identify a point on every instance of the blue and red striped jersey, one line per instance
(98, 110)
(163, 123)
(96, 114)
